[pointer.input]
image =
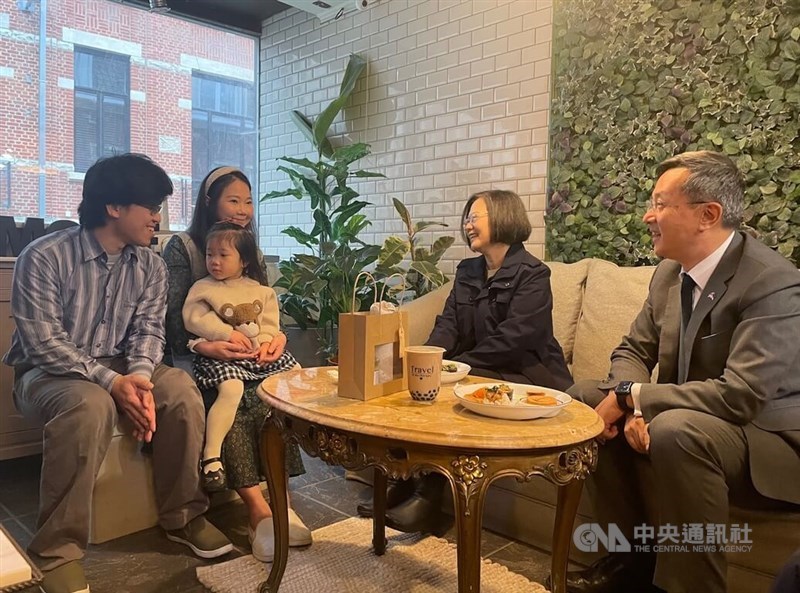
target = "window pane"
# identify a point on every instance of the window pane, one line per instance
(86, 127)
(111, 74)
(200, 164)
(115, 126)
(225, 141)
(83, 69)
(250, 152)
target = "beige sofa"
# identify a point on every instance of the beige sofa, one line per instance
(594, 303)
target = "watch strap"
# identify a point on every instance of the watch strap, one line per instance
(622, 391)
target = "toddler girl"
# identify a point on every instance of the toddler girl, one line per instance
(232, 303)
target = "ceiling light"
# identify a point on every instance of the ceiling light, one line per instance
(159, 6)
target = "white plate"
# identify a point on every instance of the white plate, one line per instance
(463, 371)
(518, 410)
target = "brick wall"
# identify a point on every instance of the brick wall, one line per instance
(163, 51)
(454, 100)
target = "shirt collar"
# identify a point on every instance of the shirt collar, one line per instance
(702, 272)
(92, 249)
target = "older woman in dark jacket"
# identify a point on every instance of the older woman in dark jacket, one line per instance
(497, 319)
(502, 326)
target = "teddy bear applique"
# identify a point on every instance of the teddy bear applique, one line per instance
(244, 318)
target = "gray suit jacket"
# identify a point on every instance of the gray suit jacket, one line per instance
(741, 360)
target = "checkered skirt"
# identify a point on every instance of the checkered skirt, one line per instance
(210, 372)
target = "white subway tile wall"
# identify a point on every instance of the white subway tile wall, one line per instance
(455, 99)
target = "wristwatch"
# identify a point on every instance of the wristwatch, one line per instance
(622, 391)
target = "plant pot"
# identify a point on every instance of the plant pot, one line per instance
(304, 344)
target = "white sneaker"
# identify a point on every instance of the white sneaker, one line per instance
(299, 534)
(262, 540)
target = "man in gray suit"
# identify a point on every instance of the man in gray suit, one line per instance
(721, 321)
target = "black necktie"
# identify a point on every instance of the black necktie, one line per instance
(687, 290)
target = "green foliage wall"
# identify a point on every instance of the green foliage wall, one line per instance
(637, 81)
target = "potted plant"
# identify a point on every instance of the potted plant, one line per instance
(422, 274)
(319, 285)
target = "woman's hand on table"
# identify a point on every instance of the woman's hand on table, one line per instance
(220, 350)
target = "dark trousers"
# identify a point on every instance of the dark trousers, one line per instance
(79, 419)
(694, 460)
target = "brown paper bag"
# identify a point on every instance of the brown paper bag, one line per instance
(371, 348)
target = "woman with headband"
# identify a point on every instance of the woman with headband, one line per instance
(225, 195)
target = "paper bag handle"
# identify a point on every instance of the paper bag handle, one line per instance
(386, 283)
(355, 287)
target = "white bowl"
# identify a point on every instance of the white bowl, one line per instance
(518, 409)
(462, 371)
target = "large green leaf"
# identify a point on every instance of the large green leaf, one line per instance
(315, 192)
(355, 66)
(295, 193)
(424, 224)
(366, 174)
(393, 251)
(433, 275)
(300, 236)
(304, 125)
(439, 247)
(344, 213)
(306, 163)
(346, 155)
(403, 212)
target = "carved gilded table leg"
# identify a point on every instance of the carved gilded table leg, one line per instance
(569, 496)
(273, 460)
(468, 477)
(568, 471)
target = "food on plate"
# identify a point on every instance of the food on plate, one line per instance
(450, 367)
(540, 399)
(494, 394)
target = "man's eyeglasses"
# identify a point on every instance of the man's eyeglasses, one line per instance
(153, 209)
(473, 218)
(660, 206)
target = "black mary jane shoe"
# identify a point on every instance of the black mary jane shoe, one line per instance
(397, 492)
(213, 481)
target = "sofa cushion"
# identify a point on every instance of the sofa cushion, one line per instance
(567, 284)
(774, 535)
(611, 300)
(422, 313)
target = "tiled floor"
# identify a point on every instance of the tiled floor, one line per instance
(146, 562)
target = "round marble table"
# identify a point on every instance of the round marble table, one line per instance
(403, 438)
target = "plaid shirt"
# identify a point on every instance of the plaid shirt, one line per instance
(70, 308)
